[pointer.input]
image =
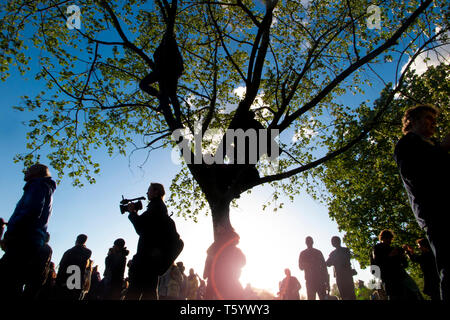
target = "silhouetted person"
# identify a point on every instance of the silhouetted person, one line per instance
(78, 256)
(223, 266)
(247, 122)
(183, 288)
(86, 287)
(48, 288)
(249, 293)
(201, 292)
(26, 232)
(96, 290)
(39, 271)
(158, 246)
(343, 271)
(425, 172)
(174, 284)
(392, 262)
(242, 170)
(427, 264)
(163, 284)
(192, 285)
(289, 287)
(115, 263)
(312, 262)
(168, 67)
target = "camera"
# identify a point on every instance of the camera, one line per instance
(124, 204)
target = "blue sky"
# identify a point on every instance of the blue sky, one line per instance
(271, 241)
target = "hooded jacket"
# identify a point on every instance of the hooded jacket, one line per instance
(30, 218)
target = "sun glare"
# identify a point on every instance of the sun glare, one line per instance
(269, 248)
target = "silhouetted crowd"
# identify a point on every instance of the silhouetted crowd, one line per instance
(27, 272)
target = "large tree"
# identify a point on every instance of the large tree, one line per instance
(291, 59)
(365, 192)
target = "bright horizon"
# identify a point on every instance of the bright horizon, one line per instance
(94, 209)
(271, 241)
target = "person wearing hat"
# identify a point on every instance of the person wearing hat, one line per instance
(115, 264)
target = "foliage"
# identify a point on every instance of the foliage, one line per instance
(366, 194)
(363, 293)
(293, 58)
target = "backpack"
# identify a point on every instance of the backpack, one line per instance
(174, 246)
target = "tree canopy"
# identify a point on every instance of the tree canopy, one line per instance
(366, 194)
(288, 60)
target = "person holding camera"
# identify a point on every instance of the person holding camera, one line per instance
(158, 246)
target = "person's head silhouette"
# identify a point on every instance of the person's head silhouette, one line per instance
(180, 266)
(119, 243)
(81, 239)
(336, 242)
(36, 171)
(156, 190)
(309, 242)
(287, 272)
(386, 236)
(421, 120)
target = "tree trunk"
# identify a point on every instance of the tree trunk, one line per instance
(224, 260)
(220, 211)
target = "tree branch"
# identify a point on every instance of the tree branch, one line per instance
(238, 70)
(125, 40)
(351, 143)
(344, 74)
